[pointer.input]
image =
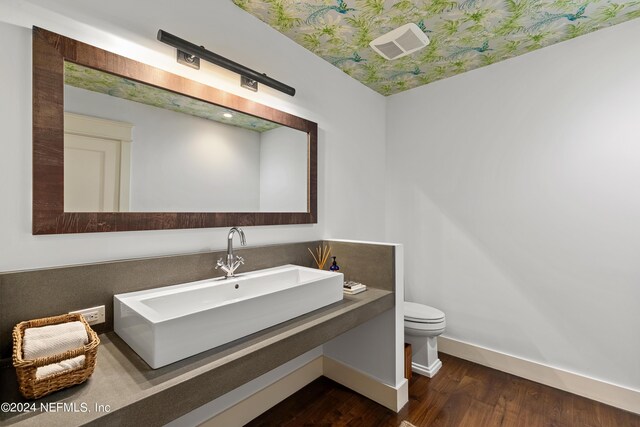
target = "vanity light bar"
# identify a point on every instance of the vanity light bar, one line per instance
(214, 58)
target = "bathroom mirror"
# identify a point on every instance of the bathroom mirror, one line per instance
(120, 145)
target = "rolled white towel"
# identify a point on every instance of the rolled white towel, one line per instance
(51, 331)
(53, 339)
(55, 368)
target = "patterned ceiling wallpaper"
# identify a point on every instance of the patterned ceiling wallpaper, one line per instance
(109, 84)
(464, 34)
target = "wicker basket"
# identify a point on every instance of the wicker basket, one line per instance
(33, 388)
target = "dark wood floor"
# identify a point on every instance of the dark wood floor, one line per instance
(462, 394)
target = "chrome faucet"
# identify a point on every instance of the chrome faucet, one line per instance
(233, 261)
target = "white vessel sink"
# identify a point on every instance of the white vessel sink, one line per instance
(167, 324)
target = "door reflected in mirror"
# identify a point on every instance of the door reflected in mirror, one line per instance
(133, 147)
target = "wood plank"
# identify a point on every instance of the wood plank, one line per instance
(462, 394)
(478, 414)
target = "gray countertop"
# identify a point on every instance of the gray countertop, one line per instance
(138, 395)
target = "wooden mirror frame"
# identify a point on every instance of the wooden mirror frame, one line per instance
(50, 51)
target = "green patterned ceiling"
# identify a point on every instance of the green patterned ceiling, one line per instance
(464, 34)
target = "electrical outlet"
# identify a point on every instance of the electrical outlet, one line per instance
(93, 315)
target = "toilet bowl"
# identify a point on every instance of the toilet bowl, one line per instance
(422, 325)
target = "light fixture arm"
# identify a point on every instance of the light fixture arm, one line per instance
(214, 58)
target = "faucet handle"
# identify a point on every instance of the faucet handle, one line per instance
(239, 259)
(219, 264)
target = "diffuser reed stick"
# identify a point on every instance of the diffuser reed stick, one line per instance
(321, 256)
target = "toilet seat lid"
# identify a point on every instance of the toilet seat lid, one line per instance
(421, 313)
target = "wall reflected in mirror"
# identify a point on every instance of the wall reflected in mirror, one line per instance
(132, 147)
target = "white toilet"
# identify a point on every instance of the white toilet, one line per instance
(422, 325)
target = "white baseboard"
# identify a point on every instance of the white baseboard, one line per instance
(611, 394)
(365, 385)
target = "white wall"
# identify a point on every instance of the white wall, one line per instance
(351, 128)
(283, 170)
(181, 163)
(377, 346)
(515, 190)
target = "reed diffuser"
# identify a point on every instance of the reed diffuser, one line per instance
(321, 256)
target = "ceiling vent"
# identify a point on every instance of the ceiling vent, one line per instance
(400, 42)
